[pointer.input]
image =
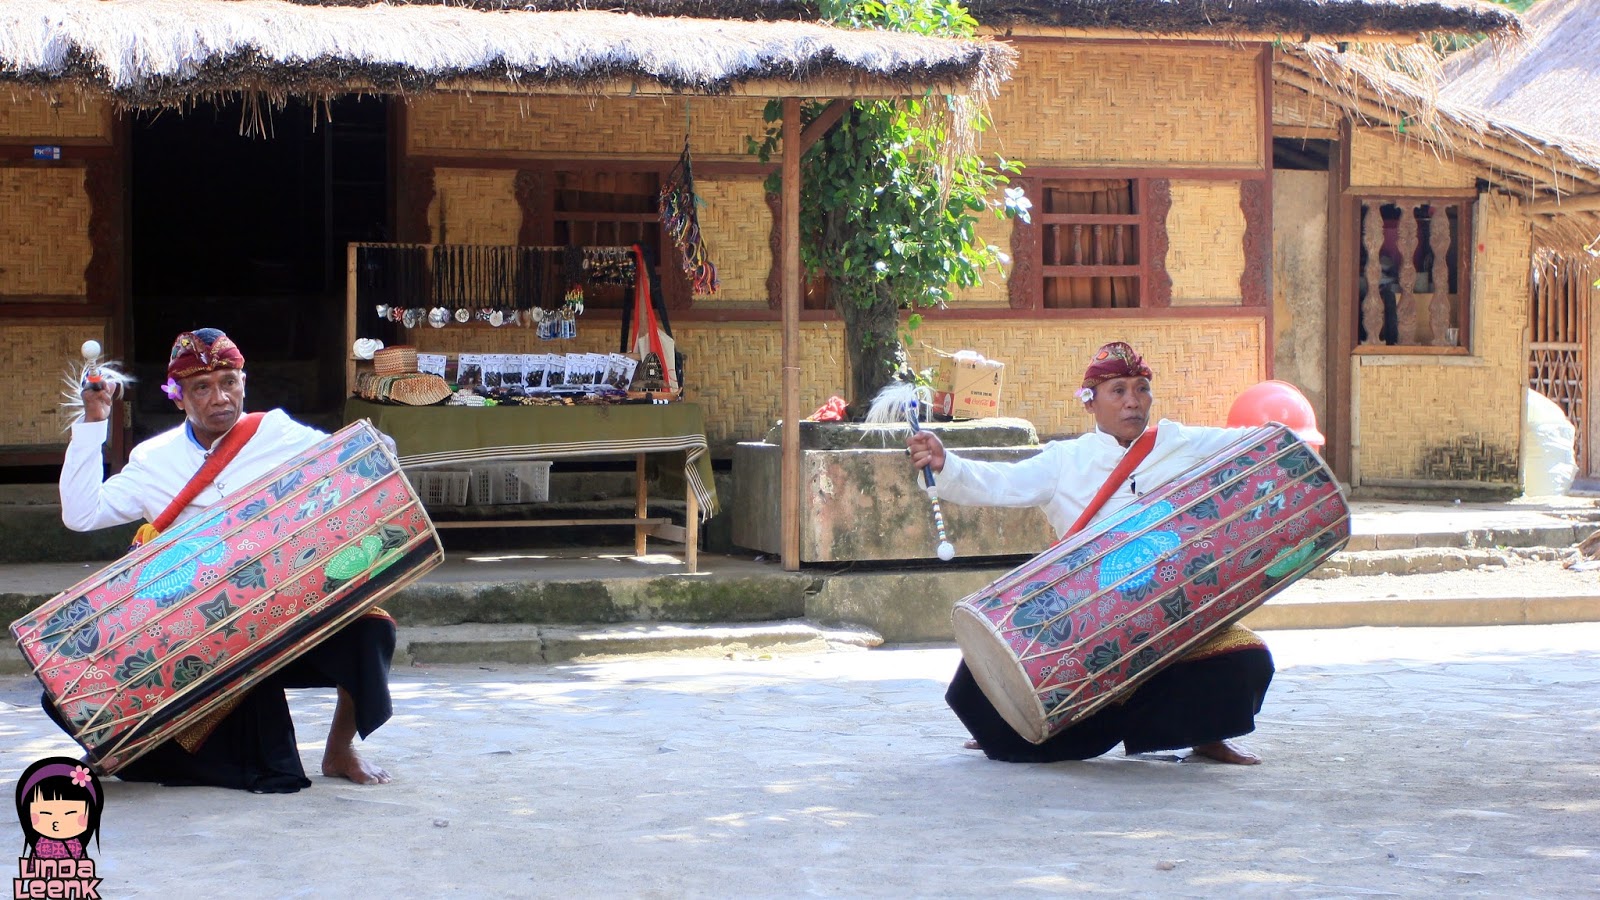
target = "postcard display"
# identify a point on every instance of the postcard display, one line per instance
(534, 373)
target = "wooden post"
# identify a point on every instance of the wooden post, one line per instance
(691, 528)
(1339, 408)
(641, 503)
(349, 321)
(789, 473)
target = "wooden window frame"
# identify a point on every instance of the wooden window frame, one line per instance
(1152, 201)
(1373, 317)
(537, 199)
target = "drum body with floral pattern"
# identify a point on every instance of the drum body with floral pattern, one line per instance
(152, 644)
(1088, 620)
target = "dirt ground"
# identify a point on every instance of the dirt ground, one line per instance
(1399, 762)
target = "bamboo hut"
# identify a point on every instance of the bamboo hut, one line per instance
(1152, 132)
(1545, 86)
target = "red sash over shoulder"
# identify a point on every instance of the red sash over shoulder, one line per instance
(222, 454)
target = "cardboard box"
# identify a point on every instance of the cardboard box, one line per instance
(969, 386)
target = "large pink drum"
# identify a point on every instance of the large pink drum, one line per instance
(149, 646)
(1092, 617)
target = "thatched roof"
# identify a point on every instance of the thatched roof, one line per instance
(162, 52)
(1550, 81)
(1532, 162)
(1291, 18)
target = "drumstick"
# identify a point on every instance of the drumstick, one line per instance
(92, 380)
(947, 550)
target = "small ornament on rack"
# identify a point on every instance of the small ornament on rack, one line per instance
(679, 213)
(652, 379)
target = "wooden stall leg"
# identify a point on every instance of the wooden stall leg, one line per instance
(641, 505)
(691, 528)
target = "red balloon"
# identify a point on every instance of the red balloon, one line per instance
(1281, 402)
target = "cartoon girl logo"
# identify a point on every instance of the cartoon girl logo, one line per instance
(58, 803)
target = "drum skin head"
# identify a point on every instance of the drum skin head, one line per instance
(1001, 676)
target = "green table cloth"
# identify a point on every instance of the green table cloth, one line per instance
(444, 435)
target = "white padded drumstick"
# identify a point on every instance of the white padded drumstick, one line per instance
(92, 380)
(947, 550)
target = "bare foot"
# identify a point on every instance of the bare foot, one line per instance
(1224, 752)
(347, 763)
(339, 756)
(972, 745)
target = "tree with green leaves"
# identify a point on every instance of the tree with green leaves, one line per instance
(890, 199)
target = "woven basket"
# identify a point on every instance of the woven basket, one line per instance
(418, 390)
(400, 360)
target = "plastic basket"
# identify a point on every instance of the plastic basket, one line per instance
(441, 487)
(518, 482)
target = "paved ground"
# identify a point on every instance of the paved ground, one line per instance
(1400, 762)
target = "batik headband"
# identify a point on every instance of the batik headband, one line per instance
(1114, 360)
(204, 350)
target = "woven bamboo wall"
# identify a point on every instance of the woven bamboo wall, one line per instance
(737, 376)
(731, 369)
(1416, 419)
(579, 127)
(64, 115)
(737, 226)
(1205, 233)
(993, 292)
(1078, 104)
(1200, 365)
(1379, 158)
(1292, 107)
(475, 206)
(34, 353)
(44, 232)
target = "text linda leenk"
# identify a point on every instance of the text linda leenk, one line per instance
(55, 879)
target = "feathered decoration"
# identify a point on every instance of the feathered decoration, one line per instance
(678, 214)
(77, 375)
(892, 403)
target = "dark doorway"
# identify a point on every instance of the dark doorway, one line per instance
(247, 234)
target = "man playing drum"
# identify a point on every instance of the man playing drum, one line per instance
(1201, 701)
(252, 744)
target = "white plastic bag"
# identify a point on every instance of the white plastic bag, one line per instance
(1549, 461)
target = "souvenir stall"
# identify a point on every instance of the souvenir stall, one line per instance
(481, 429)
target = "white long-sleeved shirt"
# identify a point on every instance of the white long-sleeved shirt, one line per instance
(1066, 475)
(159, 468)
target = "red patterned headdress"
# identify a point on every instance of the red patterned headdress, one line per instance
(203, 350)
(1114, 360)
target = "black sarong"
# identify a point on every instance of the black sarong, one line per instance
(1184, 705)
(253, 748)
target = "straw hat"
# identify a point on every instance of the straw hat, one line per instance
(395, 379)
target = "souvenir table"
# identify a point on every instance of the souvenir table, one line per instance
(461, 435)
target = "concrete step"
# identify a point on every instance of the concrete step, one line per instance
(515, 644)
(1544, 535)
(1429, 560)
(542, 644)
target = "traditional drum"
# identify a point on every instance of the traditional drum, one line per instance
(1092, 617)
(174, 630)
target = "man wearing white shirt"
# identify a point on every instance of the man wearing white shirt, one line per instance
(253, 747)
(1201, 701)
